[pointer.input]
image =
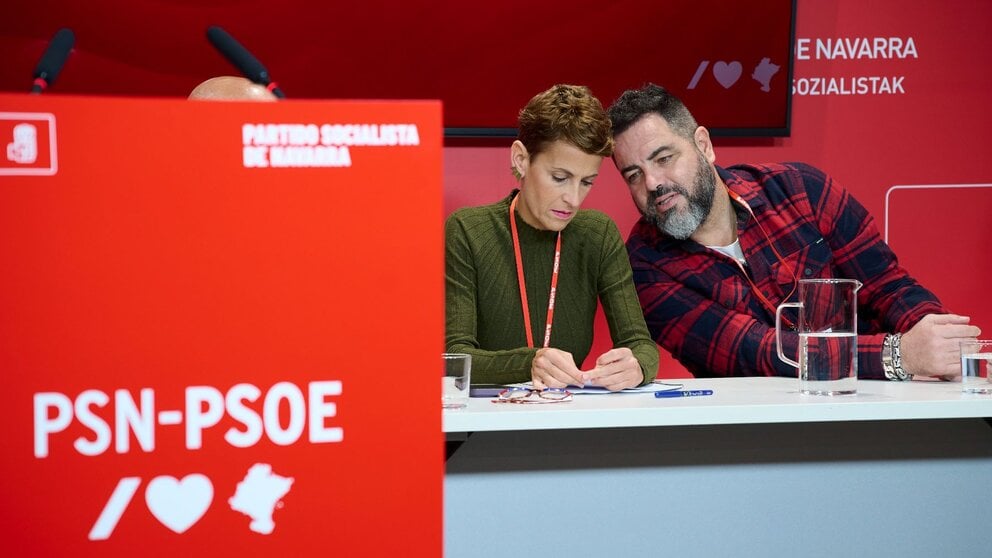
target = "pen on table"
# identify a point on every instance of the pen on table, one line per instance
(690, 393)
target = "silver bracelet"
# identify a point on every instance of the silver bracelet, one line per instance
(892, 358)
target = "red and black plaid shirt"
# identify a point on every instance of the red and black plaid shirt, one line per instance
(700, 306)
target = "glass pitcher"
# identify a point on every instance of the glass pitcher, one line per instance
(828, 336)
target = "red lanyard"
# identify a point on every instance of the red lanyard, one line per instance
(523, 286)
(754, 288)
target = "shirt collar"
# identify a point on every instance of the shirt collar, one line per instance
(738, 183)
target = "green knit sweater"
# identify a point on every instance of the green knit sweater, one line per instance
(483, 314)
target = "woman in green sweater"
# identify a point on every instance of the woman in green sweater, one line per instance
(523, 275)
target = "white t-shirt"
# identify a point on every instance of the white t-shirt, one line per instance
(732, 250)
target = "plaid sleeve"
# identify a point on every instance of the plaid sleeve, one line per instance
(890, 300)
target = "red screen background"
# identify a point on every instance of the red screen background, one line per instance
(484, 61)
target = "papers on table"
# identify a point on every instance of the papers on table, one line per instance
(654, 386)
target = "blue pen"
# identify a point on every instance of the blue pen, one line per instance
(691, 393)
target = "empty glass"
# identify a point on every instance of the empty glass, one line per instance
(455, 380)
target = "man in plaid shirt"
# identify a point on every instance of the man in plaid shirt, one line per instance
(717, 249)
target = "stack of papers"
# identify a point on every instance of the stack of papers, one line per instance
(654, 386)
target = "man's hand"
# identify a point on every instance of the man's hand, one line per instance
(932, 346)
(615, 370)
(554, 368)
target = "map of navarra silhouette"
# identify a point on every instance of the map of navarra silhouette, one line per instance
(257, 495)
(763, 73)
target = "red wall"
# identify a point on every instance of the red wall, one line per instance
(931, 129)
(928, 128)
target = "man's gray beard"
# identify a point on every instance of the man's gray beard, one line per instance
(678, 224)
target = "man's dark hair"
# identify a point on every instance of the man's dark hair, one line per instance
(635, 103)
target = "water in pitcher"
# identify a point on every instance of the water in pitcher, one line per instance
(975, 373)
(828, 363)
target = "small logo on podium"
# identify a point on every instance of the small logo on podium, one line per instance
(27, 141)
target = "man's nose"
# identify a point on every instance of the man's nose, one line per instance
(655, 180)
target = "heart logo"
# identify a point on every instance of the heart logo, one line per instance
(179, 504)
(727, 74)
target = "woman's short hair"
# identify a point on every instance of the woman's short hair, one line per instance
(566, 113)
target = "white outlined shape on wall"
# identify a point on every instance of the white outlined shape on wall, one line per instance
(888, 195)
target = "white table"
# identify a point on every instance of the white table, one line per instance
(756, 469)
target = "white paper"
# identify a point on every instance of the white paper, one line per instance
(597, 390)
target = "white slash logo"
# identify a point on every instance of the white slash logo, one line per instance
(729, 73)
(180, 503)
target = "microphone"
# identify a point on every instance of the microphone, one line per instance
(243, 60)
(51, 62)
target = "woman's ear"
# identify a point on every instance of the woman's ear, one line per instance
(519, 159)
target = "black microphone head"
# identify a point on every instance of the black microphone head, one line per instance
(238, 55)
(51, 62)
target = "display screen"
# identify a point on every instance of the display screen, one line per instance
(729, 61)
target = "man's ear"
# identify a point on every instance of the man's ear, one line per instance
(701, 137)
(519, 159)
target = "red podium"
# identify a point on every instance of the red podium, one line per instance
(219, 324)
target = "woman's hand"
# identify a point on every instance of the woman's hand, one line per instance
(554, 368)
(615, 370)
